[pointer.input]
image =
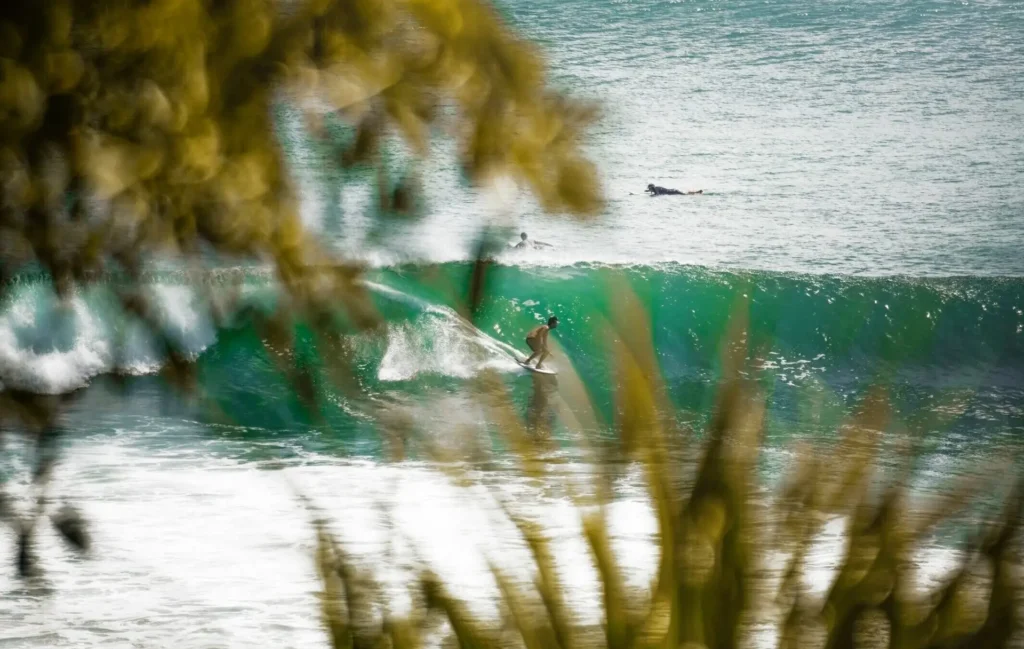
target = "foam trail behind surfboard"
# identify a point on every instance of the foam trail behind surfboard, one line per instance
(438, 341)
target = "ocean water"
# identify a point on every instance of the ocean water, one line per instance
(861, 168)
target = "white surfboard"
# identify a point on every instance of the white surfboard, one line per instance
(543, 370)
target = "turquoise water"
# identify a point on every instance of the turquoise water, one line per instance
(861, 166)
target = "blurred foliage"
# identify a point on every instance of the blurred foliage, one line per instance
(733, 558)
(141, 129)
(137, 127)
(134, 128)
(130, 129)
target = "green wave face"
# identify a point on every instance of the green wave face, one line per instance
(818, 340)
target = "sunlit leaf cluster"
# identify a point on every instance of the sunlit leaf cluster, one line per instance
(139, 129)
(136, 127)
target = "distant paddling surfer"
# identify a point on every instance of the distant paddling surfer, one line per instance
(654, 190)
(530, 243)
(537, 340)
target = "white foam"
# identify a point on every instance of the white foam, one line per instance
(57, 369)
(51, 347)
(439, 341)
(184, 319)
(239, 570)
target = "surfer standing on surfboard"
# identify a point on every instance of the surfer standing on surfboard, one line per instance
(537, 340)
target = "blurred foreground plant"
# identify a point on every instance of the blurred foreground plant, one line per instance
(130, 129)
(137, 128)
(134, 129)
(732, 559)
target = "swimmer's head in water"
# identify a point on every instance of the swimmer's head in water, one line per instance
(552, 322)
(523, 236)
(650, 187)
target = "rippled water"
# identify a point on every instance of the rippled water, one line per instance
(864, 138)
(831, 139)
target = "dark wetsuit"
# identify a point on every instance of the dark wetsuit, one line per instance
(660, 191)
(654, 190)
